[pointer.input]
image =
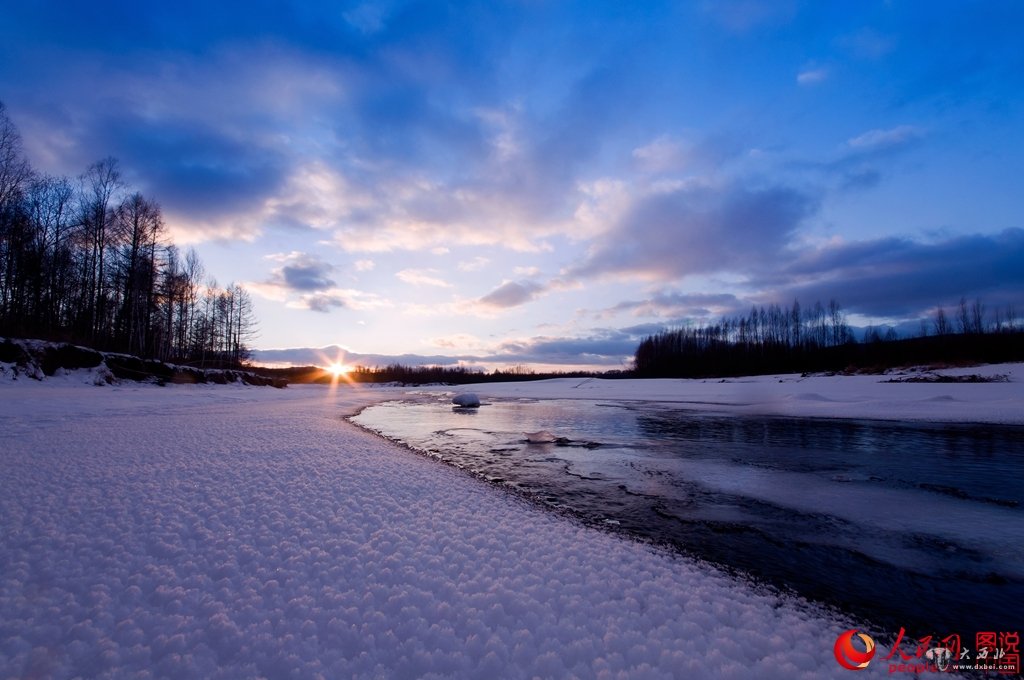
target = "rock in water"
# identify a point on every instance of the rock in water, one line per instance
(467, 400)
(542, 437)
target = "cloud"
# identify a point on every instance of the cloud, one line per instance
(602, 203)
(859, 162)
(376, 138)
(812, 76)
(315, 196)
(474, 265)
(461, 341)
(323, 356)
(321, 302)
(895, 277)
(339, 298)
(679, 306)
(300, 272)
(411, 214)
(693, 228)
(422, 277)
(607, 347)
(662, 154)
(302, 281)
(512, 294)
(381, 125)
(885, 140)
(364, 265)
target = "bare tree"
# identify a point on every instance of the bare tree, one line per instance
(963, 317)
(49, 203)
(796, 324)
(837, 321)
(15, 171)
(977, 317)
(100, 183)
(139, 229)
(941, 322)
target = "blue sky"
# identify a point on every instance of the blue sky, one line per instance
(541, 182)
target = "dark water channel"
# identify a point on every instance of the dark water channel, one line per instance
(913, 525)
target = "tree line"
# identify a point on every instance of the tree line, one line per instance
(423, 375)
(89, 260)
(454, 375)
(779, 339)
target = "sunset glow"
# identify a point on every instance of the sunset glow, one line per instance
(338, 370)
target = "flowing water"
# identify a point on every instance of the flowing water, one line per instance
(914, 525)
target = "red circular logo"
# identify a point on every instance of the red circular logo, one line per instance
(849, 656)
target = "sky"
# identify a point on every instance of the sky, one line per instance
(544, 183)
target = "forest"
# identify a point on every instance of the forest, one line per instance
(89, 260)
(777, 339)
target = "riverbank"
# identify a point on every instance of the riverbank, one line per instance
(38, 360)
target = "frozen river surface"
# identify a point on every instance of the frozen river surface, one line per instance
(908, 524)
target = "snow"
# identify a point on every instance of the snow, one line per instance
(836, 396)
(466, 399)
(228, 531)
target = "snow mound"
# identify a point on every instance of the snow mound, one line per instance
(466, 400)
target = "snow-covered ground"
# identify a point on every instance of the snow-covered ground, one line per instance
(226, 532)
(839, 396)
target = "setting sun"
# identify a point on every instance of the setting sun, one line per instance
(338, 370)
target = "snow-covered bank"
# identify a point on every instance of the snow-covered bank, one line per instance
(887, 397)
(25, 359)
(241, 532)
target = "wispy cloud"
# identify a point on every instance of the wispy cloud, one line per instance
(422, 277)
(885, 139)
(474, 265)
(812, 75)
